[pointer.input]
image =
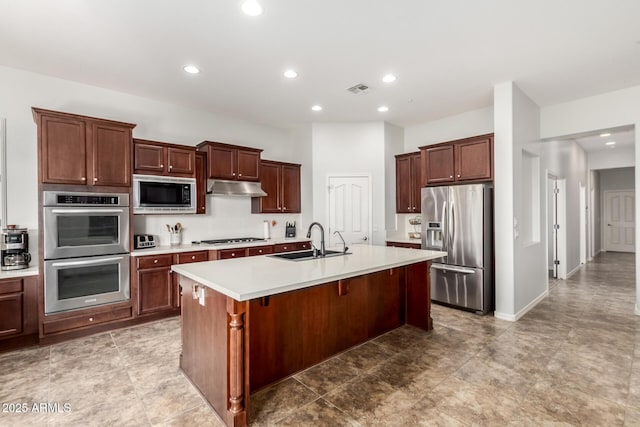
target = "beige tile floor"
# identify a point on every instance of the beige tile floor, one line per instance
(572, 360)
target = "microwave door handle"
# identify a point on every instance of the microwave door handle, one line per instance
(83, 211)
(76, 263)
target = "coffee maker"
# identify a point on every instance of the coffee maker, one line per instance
(14, 249)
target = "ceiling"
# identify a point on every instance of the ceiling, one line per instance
(624, 137)
(447, 55)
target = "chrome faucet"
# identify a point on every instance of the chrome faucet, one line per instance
(322, 251)
(344, 244)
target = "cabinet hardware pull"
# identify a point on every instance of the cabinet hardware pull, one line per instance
(83, 179)
(90, 319)
(233, 173)
(161, 166)
(239, 174)
(458, 175)
(451, 176)
(155, 261)
(285, 247)
(408, 207)
(260, 251)
(233, 254)
(95, 179)
(170, 166)
(193, 257)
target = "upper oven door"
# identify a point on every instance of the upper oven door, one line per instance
(79, 231)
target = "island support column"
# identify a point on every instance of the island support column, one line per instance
(238, 362)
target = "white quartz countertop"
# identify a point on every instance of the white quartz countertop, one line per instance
(10, 274)
(188, 247)
(254, 277)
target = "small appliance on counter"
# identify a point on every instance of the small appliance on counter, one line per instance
(416, 222)
(290, 229)
(144, 241)
(14, 248)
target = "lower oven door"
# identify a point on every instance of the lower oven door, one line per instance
(459, 286)
(75, 283)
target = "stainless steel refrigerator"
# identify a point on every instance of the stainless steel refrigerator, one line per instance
(458, 219)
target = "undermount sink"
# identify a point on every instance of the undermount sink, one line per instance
(306, 255)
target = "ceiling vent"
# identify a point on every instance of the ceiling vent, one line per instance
(359, 88)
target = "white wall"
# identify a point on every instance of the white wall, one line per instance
(617, 179)
(350, 149)
(612, 109)
(470, 123)
(611, 158)
(393, 144)
(567, 160)
(156, 121)
(521, 275)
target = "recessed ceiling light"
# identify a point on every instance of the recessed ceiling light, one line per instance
(604, 135)
(191, 69)
(317, 108)
(610, 143)
(389, 78)
(290, 74)
(383, 109)
(251, 8)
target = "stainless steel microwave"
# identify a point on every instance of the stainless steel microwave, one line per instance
(163, 195)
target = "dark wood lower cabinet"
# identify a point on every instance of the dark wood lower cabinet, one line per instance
(231, 349)
(18, 312)
(155, 290)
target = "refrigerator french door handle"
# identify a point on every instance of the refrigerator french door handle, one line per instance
(445, 225)
(452, 225)
(452, 268)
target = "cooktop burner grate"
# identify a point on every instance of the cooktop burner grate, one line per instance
(233, 240)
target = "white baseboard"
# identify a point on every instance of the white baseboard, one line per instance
(518, 315)
(574, 271)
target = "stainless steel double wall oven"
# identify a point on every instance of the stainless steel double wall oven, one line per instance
(86, 249)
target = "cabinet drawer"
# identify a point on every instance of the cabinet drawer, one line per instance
(187, 257)
(290, 247)
(304, 246)
(86, 320)
(260, 250)
(232, 253)
(10, 286)
(164, 260)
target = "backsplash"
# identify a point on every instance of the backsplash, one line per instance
(226, 217)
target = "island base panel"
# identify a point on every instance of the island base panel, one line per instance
(282, 334)
(213, 356)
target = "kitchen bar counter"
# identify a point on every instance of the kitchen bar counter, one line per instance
(189, 247)
(250, 322)
(404, 240)
(247, 278)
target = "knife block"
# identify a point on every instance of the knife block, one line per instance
(290, 231)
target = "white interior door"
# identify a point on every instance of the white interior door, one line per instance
(620, 228)
(349, 209)
(583, 224)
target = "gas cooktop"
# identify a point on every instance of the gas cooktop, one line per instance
(231, 240)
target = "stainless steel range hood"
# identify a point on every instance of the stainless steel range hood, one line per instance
(234, 188)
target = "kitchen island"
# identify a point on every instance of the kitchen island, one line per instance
(247, 323)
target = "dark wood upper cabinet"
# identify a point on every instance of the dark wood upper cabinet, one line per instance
(271, 182)
(82, 150)
(161, 158)
(408, 182)
(248, 165)
(439, 164)
(231, 162)
(465, 160)
(201, 182)
(281, 182)
(111, 157)
(290, 192)
(474, 159)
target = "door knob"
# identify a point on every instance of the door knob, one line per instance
(365, 238)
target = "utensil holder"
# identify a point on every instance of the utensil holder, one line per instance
(175, 238)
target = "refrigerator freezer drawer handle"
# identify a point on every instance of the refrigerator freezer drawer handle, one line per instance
(451, 268)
